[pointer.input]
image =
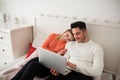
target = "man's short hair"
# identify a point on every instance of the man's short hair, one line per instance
(79, 24)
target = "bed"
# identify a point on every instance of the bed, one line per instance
(104, 32)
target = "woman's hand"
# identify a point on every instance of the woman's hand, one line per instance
(62, 52)
(54, 72)
(71, 65)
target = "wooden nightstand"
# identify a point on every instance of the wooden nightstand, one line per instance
(14, 42)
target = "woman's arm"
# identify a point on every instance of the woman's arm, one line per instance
(46, 43)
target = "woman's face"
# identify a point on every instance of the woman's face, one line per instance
(67, 36)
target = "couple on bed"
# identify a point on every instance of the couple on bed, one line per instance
(85, 57)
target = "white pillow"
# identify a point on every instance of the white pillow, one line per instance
(39, 39)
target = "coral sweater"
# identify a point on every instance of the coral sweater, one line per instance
(54, 43)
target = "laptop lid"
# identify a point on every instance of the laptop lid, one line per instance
(53, 60)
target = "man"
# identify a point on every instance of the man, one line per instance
(85, 57)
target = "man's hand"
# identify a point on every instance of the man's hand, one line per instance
(71, 65)
(54, 72)
(62, 52)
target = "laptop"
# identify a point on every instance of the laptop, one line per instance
(53, 60)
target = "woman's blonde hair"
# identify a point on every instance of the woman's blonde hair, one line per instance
(69, 30)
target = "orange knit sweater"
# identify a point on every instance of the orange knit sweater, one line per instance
(53, 43)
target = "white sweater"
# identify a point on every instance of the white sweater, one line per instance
(89, 57)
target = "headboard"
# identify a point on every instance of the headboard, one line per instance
(105, 33)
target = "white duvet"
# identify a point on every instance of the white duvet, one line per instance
(8, 72)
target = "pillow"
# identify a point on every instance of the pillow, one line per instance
(38, 40)
(30, 50)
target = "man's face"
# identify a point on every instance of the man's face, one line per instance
(79, 35)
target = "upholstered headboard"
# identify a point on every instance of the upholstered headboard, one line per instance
(104, 32)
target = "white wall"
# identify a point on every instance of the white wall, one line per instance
(92, 9)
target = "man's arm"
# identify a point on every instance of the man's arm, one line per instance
(98, 63)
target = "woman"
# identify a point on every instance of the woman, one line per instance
(54, 42)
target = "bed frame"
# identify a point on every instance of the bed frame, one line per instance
(104, 32)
